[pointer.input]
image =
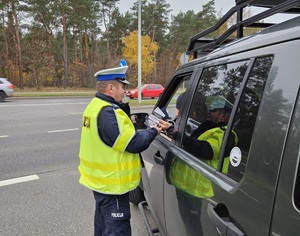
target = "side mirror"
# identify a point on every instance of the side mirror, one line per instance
(138, 120)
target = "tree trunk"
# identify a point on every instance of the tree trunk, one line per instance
(75, 46)
(6, 55)
(65, 53)
(86, 56)
(18, 46)
(35, 77)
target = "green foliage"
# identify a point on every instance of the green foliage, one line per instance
(155, 17)
(63, 42)
(179, 33)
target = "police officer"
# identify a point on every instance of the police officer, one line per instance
(109, 153)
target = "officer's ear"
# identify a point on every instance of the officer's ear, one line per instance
(110, 88)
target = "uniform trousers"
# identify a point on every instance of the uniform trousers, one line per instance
(112, 215)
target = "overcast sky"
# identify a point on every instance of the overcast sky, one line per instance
(184, 5)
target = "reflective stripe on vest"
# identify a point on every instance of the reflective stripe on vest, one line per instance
(127, 133)
(106, 169)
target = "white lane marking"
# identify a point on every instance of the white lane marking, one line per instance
(18, 180)
(3, 136)
(44, 104)
(62, 130)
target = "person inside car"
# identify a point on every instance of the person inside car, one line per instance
(205, 142)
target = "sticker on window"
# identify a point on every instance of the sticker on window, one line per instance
(235, 156)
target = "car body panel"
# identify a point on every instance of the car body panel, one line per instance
(263, 194)
(286, 208)
(6, 87)
(152, 174)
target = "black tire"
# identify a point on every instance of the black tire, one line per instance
(136, 196)
(2, 96)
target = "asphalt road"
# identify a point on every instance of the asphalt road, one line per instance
(39, 189)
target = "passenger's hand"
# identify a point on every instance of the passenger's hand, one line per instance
(164, 124)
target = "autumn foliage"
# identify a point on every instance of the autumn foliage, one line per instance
(148, 49)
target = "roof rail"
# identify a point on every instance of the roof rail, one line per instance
(199, 45)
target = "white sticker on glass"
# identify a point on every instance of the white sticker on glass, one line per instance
(235, 156)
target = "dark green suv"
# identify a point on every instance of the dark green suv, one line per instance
(242, 176)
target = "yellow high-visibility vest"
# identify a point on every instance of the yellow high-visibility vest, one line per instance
(108, 170)
(191, 181)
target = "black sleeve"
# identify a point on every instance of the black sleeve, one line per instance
(230, 144)
(125, 107)
(108, 128)
(141, 140)
(200, 149)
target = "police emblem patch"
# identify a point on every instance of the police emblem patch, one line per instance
(86, 122)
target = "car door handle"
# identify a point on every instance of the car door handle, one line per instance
(223, 225)
(158, 158)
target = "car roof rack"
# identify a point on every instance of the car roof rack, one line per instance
(200, 45)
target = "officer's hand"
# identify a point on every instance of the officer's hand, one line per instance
(158, 129)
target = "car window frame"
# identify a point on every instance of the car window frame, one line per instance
(184, 115)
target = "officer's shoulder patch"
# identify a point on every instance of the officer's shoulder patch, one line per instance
(86, 121)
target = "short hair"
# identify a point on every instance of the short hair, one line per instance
(102, 85)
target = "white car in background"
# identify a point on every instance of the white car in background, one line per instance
(6, 89)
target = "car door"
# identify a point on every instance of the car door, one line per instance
(155, 90)
(286, 216)
(240, 201)
(148, 90)
(153, 176)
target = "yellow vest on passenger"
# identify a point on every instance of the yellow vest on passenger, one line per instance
(108, 170)
(191, 181)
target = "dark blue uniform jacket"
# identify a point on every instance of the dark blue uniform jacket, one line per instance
(108, 128)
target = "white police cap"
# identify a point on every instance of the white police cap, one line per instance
(118, 73)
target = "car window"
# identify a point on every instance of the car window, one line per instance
(212, 108)
(246, 115)
(295, 141)
(176, 99)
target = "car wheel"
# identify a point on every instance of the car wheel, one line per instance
(136, 196)
(2, 96)
(142, 95)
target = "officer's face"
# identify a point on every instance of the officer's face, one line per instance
(118, 90)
